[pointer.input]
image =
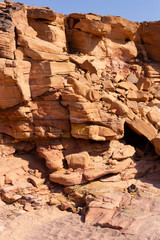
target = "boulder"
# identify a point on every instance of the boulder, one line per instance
(67, 177)
(40, 13)
(121, 27)
(38, 49)
(154, 115)
(91, 174)
(94, 132)
(132, 79)
(127, 85)
(138, 96)
(78, 160)
(123, 151)
(94, 27)
(54, 157)
(84, 90)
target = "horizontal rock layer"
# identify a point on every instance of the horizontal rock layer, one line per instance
(69, 85)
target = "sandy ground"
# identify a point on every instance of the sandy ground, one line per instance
(50, 224)
(53, 224)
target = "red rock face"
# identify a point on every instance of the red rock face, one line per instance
(68, 84)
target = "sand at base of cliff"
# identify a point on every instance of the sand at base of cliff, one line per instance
(50, 224)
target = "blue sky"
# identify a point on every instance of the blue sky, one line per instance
(134, 10)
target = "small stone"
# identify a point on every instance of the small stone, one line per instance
(132, 188)
(132, 78)
(22, 201)
(54, 201)
(36, 181)
(28, 207)
(10, 197)
(67, 206)
(37, 207)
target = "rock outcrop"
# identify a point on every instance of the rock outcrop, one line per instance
(71, 87)
(72, 79)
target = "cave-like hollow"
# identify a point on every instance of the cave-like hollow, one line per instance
(138, 141)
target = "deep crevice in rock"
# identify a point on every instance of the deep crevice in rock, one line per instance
(136, 140)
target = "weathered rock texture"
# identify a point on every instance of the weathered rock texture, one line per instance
(69, 84)
(69, 87)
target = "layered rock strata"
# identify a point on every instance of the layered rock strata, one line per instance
(70, 83)
(69, 86)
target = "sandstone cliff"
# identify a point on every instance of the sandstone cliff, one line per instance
(67, 80)
(80, 91)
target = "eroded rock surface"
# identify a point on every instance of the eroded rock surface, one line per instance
(70, 88)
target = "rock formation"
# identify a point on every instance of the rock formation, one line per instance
(77, 91)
